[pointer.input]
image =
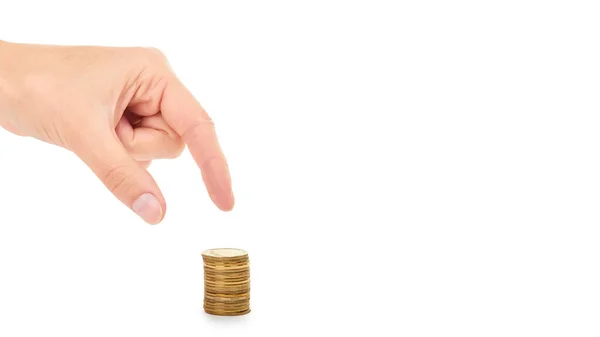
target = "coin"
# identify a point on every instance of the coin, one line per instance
(231, 306)
(222, 313)
(237, 298)
(221, 291)
(224, 253)
(224, 290)
(226, 281)
(226, 278)
(215, 289)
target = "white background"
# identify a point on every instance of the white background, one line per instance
(418, 168)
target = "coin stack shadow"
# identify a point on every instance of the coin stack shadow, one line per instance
(226, 282)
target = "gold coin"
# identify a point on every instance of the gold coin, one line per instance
(226, 266)
(228, 276)
(209, 286)
(220, 268)
(225, 253)
(224, 290)
(231, 303)
(226, 281)
(224, 313)
(227, 308)
(216, 269)
(210, 259)
(227, 305)
(236, 307)
(226, 269)
(227, 262)
(228, 290)
(221, 308)
(216, 297)
(225, 293)
(216, 288)
(226, 285)
(221, 299)
(212, 298)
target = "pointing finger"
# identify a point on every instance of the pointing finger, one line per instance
(187, 117)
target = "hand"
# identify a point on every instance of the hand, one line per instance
(116, 109)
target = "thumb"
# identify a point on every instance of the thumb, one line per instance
(130, 183)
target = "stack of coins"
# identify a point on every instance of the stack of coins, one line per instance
(226, 282)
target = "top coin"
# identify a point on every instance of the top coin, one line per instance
(225, 252)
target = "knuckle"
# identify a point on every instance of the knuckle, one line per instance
(179, 148)
(198, 128)
(175, 149)
(145, 164)
(155, 55)
(155, 51)
(116, 177)
(148, 57)
(206, 118)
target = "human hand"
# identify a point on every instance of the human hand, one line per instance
(116, 109)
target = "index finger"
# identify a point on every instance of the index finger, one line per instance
(186, 116)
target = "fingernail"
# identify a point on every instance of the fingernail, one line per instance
(148, 208)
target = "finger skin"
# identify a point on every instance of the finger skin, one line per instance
(151, 139)
(123, 176)
(187, 117)
(144, 164)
